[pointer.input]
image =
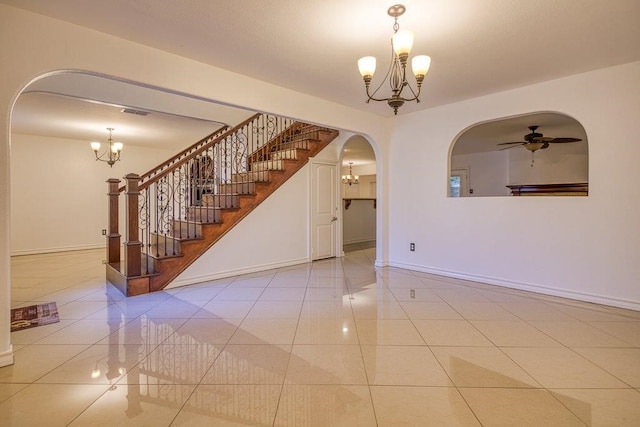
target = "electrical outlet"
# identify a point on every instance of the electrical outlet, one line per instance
(413, 293)
(412, 247)
(104, 232)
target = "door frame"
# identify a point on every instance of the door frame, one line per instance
(338, 200)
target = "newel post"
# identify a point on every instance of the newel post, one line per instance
(132, 246)
(113, 235)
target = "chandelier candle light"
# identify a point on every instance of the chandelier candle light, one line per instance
(401, 44)
(113, 151)
(351, 178)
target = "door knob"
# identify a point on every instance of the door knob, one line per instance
(334, 219)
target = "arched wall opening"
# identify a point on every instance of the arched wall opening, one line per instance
(359, 189)
(541, 153)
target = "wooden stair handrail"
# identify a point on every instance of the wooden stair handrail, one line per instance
(173, 158)
(206, 146)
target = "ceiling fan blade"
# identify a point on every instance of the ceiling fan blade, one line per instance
(561, 140)
(542, 139)
(510, 143)
(545, 145)
(513, 146)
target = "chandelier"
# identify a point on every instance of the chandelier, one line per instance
(401, 44)
(113, 151)
(351, 178)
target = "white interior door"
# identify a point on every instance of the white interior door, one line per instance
(324, 210)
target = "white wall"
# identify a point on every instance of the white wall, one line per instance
(582, 247)
(58, 189)
(488, 172)
(558, 164)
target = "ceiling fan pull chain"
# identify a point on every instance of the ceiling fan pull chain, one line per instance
(533, 159)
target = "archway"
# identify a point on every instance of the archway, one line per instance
(359, 194)
(542, 153)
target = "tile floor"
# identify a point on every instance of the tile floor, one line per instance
(332, 343)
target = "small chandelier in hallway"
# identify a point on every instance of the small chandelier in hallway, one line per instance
(113, 151)
(401, 44)
(351, 178)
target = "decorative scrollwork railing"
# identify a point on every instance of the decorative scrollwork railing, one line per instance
(171, 202)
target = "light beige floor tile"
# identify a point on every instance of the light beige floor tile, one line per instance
(98, 364)
(518, 407)
(578, 334)
(482, 367)
(225, 309)
(208, 331)
(280, 281)
(526, 309)
(239, 294)
(174, 363)
(602, 407)
(34, 361)
(450, 333)
(230, 405)
(326, 364)
(136, 404)
(258, 281)
(588, 312)
(472, 310)
(337, 282)
(420, 294)
(338, 309)
(175, 308)
(48, 405)
(504, 295)
(403, 365)
(429, 310)
(628, 331)
(560, 367)
(283, 294)
(325, 405)
(326, 331)
(265, 331)
(144, 331)
(81, 332)
(326, 294)
(372, 309)
(421, 406)
(388, 332)
(461, 294)
(249, 364)
(276, 309)
(33, 335)
(198, 293)
(513, 333)
(8, 390)
(78, 309)
(624, 363)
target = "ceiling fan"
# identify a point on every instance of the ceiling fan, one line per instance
(535, 141)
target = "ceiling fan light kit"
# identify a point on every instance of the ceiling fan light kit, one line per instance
(535, 141)
(401, 44)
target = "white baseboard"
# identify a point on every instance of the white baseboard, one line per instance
(545, 290)
(230, 273)
(355, 241)
(6, 357)
(58, 249)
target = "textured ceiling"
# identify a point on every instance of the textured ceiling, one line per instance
(477, 46)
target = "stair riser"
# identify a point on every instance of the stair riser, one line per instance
(185, 230)
(220, 200)
(285, 154)
(205, 215)
(237, 188)
(262, 176)
(267, 165)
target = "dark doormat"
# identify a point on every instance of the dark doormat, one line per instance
(34, 315)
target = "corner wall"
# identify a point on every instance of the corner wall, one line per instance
(579, 247)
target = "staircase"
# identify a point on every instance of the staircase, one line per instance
(178, 210)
